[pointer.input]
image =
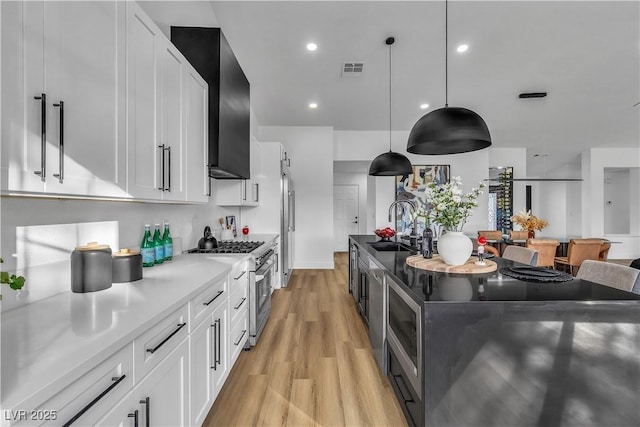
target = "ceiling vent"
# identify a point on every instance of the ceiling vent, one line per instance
(352, 69)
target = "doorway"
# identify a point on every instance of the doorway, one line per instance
(345, 215)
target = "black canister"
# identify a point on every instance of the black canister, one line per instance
(127, 266)
(91, 268)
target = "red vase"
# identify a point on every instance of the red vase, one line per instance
(532, 234)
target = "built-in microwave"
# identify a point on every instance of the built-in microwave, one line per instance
(404, 333)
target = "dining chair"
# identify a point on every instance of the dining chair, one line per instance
(521, 254)
(518, 235)
(578, 251)
(487, 248)
(546, 250)
(490, 234)
(605, 245)
(610, 274)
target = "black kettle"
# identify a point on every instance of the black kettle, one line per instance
(207, 241)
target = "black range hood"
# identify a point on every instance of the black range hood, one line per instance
(209, 52)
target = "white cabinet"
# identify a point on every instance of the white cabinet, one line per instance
(201, 387)
(171, 141)
(124, 414)
(196, 125)
(167, 117)
(97, 102)
(152, 346)
(143, 153)
(242, 192)
(220, 346)
(92, 395)
(63, 97)
(163, 395)
(160, 399)
(209, 360)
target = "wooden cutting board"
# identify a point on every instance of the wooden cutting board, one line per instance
(436, 264)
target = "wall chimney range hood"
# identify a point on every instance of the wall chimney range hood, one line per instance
(209, 52)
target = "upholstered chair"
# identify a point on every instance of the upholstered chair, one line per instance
(605, 245)
(578, 251)
(490, 234)
(518, 235)
(521, 254)
(610, 274)
(546, 250)
(487, 248)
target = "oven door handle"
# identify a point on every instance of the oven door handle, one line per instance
(264, 269)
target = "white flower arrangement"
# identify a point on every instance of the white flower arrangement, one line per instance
(450, 206)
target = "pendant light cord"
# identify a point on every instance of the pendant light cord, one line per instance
(389, 97)
(446, 53)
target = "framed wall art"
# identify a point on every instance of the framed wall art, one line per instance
(411, 187)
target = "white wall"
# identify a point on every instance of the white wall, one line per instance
(594, 162)
(311, 152)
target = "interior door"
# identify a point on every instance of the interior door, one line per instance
(345, 215)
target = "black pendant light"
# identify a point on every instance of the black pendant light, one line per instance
(391, 163)
(448, 130)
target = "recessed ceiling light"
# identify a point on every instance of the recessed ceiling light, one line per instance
(312, 46)
(462, 48)
(313, 105)
(424, 106)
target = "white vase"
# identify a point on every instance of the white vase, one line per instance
(454, 248)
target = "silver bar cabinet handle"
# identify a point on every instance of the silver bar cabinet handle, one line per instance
(116, 381)
(169, 169)
(60, 175)
(43, 137)
(145, 402)
(162, 188)
(135, 418)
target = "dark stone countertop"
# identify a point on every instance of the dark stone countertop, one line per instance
(428, 286)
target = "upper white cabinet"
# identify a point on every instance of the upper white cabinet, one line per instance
(242, 192)
(143, 74)
(167, 130)
(63, 97)
(96, 103)
(196, 124)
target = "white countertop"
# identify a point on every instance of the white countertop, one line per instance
(50, 343)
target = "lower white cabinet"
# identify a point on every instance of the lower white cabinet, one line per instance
(168, 375)
(201, 388)
(161, 399)
(163, 395)
(88, 398)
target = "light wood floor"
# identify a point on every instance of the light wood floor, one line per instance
(313, 364)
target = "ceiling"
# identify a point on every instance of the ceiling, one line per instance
(585, 54)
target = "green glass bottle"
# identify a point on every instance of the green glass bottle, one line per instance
(147, 250)
(158, 245)
(168, 243)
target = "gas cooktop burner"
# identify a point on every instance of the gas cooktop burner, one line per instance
(229, 247)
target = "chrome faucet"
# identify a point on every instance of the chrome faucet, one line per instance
(413, 208)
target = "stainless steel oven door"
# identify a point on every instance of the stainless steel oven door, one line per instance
(404, 333)
(261, 298)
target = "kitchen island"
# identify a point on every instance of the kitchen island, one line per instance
(489, 350)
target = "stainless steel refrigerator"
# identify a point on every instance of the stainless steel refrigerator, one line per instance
(288, 220)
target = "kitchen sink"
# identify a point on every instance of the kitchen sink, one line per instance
(390, 246)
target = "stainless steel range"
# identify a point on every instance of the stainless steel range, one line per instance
(229, 247)
(262, 269)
